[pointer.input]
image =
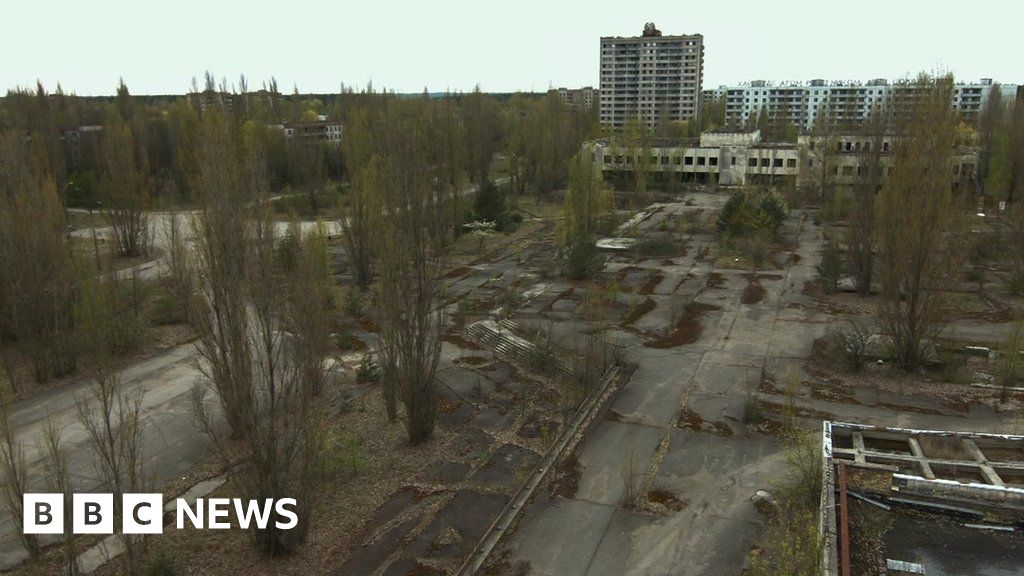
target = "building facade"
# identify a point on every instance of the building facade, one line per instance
(849, 102)
(654, 77)
(738, 158)
(578, 98)
(322, 130)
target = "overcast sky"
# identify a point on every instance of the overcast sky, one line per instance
(158, 47)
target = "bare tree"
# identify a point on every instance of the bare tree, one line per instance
(821, 152)
(861, 230)
(14, 468)
(126, 189)
(410, 276)
(263, 341)
(917, 227)
(111, 415)
(363, 210)
(58, 481)
(178, 268)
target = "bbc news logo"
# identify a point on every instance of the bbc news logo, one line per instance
(144, 513)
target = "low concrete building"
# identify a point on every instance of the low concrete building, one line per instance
(319, 131)
(737, 158)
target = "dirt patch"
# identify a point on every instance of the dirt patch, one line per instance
(753, 293)
(637, 312)
(613, 416)
(687, 329)
(650, 284)
(715, 280)
(460, 341)
(832, 391)
(751, 277)
(797, 411)
(690, 420)
(368, 325)
(666, 499)
(457, 272)
(621, 274)
(472, 360)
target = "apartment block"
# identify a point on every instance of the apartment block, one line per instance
(849, 102)
(578, 98)
(654, 77)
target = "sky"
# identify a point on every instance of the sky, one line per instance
(513, 45)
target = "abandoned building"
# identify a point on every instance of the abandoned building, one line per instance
(951, 502)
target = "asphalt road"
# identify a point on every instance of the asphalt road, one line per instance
(171, 442)
(714, 472)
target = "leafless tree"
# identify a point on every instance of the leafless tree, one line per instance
(58, 481)
(13, 467)
(861, 229)
(263, 341)
(410, 277)
(363, 210)
(110, 414)
(918, 236)
(178, 267)
(126, 189)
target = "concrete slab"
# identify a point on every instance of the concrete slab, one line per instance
(558, 537)
(604, 457)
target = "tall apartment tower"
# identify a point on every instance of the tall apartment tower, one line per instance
(655, 77)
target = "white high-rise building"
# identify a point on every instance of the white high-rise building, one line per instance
(849, 102)
(654, 77)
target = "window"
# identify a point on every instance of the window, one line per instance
(689, 161)
(733, 160)
(713, 161)
(765, 162)
(835, 170)
(791, 163)
(664, 159)
(847, 170)
(701, 160)
(752, 162)
(618, 159)
(810, 162)
(607, 159)
(678, 160)
(777, 163)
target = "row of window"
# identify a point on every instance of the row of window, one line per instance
(752, 162)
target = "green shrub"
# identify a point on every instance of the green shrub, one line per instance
(830, 270)
(368, 370)
(583, 259)
(745, 213)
